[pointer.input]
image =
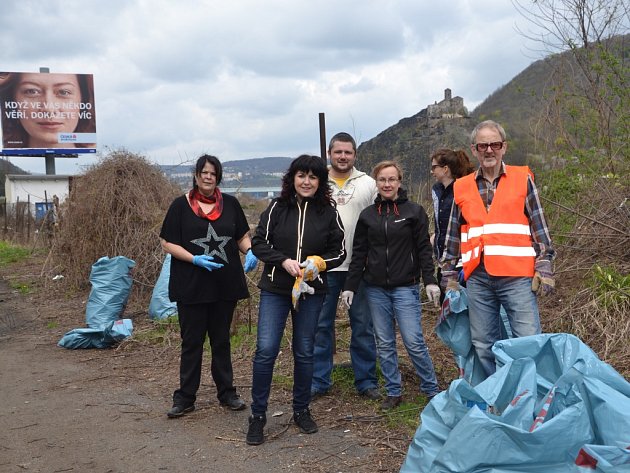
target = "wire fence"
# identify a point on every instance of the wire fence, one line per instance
(25, 223)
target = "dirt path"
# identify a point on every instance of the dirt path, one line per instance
(104, 410)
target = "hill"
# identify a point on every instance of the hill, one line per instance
(518, 106)
(412, 140)
(7, 167)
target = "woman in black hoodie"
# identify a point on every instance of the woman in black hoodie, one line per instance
(392, 254)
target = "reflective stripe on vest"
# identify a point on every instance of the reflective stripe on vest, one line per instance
(492, 228)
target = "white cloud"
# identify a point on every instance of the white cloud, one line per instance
(247, 78)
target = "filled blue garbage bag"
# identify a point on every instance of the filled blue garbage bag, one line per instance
(605, 459)
(453, 328)
(111, 285)
(161, 306)
(106, 337)
(505, 425)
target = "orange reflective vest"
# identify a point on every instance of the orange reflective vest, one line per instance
(502, 234)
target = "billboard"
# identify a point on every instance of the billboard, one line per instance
(46, 114)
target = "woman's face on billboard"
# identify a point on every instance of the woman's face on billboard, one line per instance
(52, 107)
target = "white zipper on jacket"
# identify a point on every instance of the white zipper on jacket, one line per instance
(301, 225)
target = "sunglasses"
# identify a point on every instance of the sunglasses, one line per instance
(495, 145)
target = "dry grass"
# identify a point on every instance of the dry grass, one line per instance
(592, 273)
(115, 208)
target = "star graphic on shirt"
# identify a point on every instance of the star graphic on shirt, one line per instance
(213, 237)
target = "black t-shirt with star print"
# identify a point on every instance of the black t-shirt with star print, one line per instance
(190, 284)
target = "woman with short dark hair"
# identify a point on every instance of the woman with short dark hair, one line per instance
(204, 231)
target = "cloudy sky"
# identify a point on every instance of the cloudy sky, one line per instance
(246, 78)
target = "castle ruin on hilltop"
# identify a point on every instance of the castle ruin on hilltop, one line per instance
(412, 140)
(450, 107)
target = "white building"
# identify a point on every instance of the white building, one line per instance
(36, 189)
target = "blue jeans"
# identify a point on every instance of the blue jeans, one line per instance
(362, 344)
(272, 319)
(402, 305)
(486, 294)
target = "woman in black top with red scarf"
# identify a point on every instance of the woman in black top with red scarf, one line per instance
(204, 231)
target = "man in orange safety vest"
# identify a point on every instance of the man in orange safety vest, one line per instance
(498, 229)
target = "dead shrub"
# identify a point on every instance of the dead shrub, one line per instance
(115, 208)
(592, 273)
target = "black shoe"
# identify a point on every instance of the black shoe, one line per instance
(255, 432)
(235, 403)
(372, 394)
(390, 402)
(305, 422)
(178, 411)
(431, 396)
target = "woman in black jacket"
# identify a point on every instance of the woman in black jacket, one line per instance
(391, 252)
(299, 237)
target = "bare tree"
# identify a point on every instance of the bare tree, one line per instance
(587, 98)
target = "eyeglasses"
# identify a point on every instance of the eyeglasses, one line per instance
(391, 180)
(433, 166)
(495, 145)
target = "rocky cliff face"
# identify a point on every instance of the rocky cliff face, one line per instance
(412, 140)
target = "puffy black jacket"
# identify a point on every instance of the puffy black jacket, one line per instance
(391, 245)
(291, 231)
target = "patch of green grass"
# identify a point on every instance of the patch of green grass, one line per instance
(161, 331)
(612, 286)
(407, 414)
(22, 288)
(243, 339)
(10, 253)
(283, 381)
(343, 378)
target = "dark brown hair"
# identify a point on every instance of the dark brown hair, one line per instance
(456, 160)
(307, 163)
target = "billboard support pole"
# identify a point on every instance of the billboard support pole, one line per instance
(322, 136)
(50, 159)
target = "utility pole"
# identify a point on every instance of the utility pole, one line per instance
(322, 136)
(50, 158)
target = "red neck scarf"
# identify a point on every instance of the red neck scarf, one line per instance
(194, 197)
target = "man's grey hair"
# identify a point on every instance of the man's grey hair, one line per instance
(487, 124)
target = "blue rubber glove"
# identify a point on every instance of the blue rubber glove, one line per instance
(250, 261)
(205, 261)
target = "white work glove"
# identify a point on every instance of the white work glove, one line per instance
(346, 297)
(433, 293)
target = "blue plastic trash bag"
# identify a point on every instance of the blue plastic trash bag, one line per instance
(161, 306)
(512, 423)
(453, 328)
(111, 285)
(97, 338)
(604, 459)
